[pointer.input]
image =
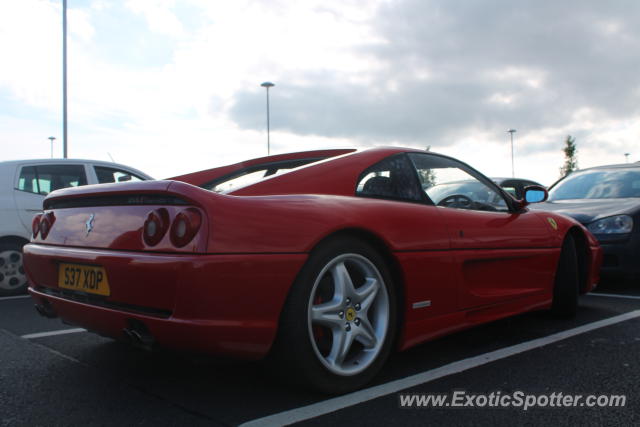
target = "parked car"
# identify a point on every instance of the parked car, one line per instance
(606, 200)
(26, 183)
(515, 186)
(478, 192)
(328, 262)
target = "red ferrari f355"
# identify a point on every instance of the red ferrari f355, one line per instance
(325, 260)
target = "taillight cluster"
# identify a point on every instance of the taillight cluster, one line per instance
(41, 224)
(183, 228)
(156, 226)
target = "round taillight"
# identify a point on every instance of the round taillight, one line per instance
(35, 225)
(46, 222)
(185, 226)
(155, 226)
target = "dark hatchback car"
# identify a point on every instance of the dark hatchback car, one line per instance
(606, 200)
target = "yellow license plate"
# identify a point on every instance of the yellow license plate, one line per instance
(85, 278)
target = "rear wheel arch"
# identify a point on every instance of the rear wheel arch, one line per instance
(13, 240)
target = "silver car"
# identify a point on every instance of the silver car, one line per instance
(25, 184)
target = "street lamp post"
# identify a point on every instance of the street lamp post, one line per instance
(267, 85)
(51, 138)
(513, 173)
(64, 79)
(626, 157)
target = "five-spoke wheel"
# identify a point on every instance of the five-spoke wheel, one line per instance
(13, 279)
(338, 325)
(348, 314)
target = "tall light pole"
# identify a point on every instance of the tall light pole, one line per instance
(267, 85)
(513, 173)
(64, 79)
(51, 138)
(626, 157)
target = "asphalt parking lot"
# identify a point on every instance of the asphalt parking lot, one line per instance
(57, 374)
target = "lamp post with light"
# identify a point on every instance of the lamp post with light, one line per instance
(64, 79)
(268, 85)
(51, 138)
(513, 173)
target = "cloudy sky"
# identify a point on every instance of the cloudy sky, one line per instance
(172, 87)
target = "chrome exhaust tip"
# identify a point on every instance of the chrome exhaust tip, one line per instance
(46, 310)
(138, 334)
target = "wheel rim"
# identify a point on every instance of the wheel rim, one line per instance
(11, 270)
(348, 314)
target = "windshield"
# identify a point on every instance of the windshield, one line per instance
(598, 184)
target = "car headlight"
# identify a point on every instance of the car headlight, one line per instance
(612, 225)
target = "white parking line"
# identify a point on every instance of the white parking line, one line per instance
(614, 295)
(341, 402)
(53, 333)
(15, 297)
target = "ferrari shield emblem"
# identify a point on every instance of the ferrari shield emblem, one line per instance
(553, 223)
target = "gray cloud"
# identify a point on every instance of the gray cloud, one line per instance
(583, 54)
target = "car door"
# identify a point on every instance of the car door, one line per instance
(418, 230)
(500, 255)
(34, 182)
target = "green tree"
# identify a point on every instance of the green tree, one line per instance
(570, 156)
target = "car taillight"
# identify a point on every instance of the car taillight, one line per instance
(46, 222)
(155, 227)
(185, 226)
(35, 225)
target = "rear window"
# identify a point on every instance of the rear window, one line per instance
(43, 179)
(253, 174)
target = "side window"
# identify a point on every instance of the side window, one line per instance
(106, 175)
(55, 177)
(27, 180)
(392, 178)
(450, 184)
(241, 180)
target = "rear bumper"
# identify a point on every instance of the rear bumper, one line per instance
(216, 304)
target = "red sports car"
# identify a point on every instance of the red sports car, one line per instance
(325, 260)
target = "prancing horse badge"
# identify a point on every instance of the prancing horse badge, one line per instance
(89, 223)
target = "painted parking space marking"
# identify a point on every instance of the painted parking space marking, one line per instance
(615, 296)
(53, 333)
(355, 398)
(15, 297)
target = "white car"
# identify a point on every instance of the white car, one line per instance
(25, 183)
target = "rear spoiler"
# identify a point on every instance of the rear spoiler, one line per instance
(127, 193)
(202, 177)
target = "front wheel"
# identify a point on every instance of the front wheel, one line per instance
(338, 325)
(566, 285)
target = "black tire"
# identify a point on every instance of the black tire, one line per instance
(566, 287)
(304, 348)
(13, 280)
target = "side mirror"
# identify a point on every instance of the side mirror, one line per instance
(535, 194)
